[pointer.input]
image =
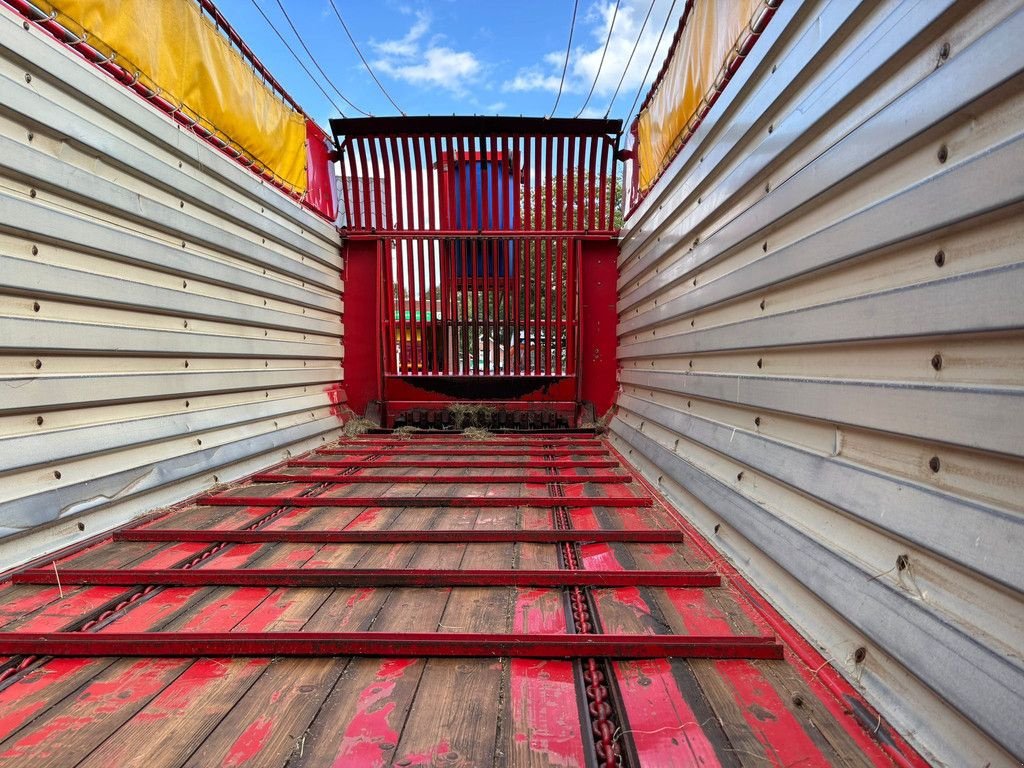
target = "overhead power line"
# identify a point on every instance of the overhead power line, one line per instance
(604, 53)
(313, 59)
(363, 59)
(298, 60)
(630, 59)
(568, 50)
(654, 55)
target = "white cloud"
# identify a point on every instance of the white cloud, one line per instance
(414, 60)
(585, 59)
(532, 79)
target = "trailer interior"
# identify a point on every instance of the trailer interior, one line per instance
(511, 441)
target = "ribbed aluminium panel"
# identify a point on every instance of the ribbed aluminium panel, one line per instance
(820, 334)
(167, 321)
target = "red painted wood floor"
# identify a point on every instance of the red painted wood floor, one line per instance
(431, 600)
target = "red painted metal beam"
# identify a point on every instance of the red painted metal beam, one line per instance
(354, 577)
(379, 464)
(495, 442)
(434, 536)
(391, 644)
(324, 477)
(474, 502)
(490, 451)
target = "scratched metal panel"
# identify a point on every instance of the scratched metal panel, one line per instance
(821, 342)
(167, 321)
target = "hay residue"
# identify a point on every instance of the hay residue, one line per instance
(477, 433)
(404, 433)
(601, 425)
(357, 426)
(466, 415)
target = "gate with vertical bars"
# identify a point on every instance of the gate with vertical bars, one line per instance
(479, 224)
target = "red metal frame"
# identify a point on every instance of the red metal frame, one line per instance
(491, 451)
(471, 502)
(389, 644)
(357, 577)
(481, 257)
(377, 463)
(391, 536)
(320, 477)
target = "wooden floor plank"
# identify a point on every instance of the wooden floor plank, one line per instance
(173, 725)
(65, 735)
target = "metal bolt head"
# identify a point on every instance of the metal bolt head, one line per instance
(937, 362)
(934, 464)
(860, 654)
(940, 258)
(943, 153)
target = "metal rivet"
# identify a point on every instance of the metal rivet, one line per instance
(81, 526)
(186, 363)
(31, 135)
(39, 420)
(200, 442)
(718, 527)
(860, 654)
(760, 362)
(35, 306)
(937, 362)
(902, 562)
(934, 463)
(31, 193)
(28, 78)
(798, 701)
(187, 403)
(689, 403)
(943, 153)
(56, 474)
(38, 364)
(940, 258)
(757, 421)
(35, 251)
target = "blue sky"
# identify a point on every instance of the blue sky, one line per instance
(458, 56)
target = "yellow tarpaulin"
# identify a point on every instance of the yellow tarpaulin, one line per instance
(713, 29)
(179, 51)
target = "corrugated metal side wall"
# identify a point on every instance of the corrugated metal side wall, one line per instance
(167, 321)
(821, 350)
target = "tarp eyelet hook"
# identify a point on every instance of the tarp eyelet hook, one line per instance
(135, 79)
